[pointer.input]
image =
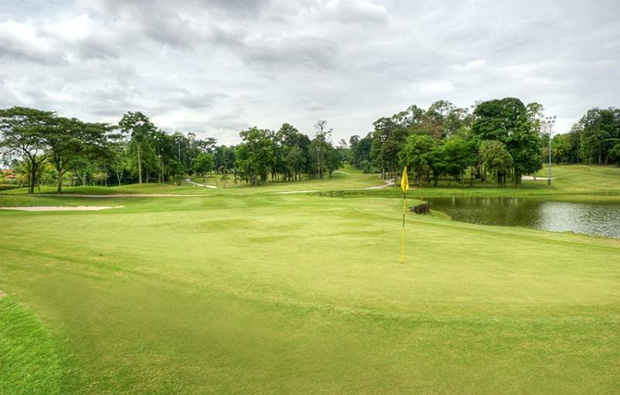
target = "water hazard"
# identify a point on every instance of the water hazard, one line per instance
(596, 217)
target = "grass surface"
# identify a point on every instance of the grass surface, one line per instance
(260, 293)
(31, 362)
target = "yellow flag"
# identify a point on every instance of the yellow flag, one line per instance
(404, 182)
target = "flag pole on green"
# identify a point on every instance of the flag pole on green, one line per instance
(404, 186)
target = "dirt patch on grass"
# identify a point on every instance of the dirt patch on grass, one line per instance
(2, 294)
(60, 208)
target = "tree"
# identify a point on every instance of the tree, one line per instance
(255, 155)
(418, 154)
(22, 132)
(70, 141)
(561, 150)
(320, 146)
(118, 160)
(333, 159)
(140, 127)
(458, 156)
(495, 158)
(509, 121)
(387, 140)
(295, 161)
(361, 153)
(599, 132)
(203, 164)
(614, 154)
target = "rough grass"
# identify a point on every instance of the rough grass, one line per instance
(31, 361)
(262, 293)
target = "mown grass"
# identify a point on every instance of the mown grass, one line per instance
(293, 293)
(347, 178)
(567, 180)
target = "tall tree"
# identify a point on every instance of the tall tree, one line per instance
(509, 121)
(255, 155)
(71, 141)
(320, 146)
(140, 127)
(22, 132)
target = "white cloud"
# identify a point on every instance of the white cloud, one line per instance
(471, 65)
(216, 66)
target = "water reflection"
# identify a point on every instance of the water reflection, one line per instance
(595, 217)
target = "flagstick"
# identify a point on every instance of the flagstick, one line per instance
(402, 239)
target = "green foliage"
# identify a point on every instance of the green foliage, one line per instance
(518, 127)
(419, 154)
(22, 130)
(495, 158)
(203, 163)
(599, 133)
(361, 152)
(458, 154)
(255, 155)
(614, 154)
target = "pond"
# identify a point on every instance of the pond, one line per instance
(595, 217)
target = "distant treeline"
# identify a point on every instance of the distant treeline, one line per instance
(502, 138)
(41, 147)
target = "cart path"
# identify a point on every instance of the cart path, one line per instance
(189, 181)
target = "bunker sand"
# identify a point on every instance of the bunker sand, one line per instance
(60, 208)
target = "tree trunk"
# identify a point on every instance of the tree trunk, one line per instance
(59, 189)
(139, 166)
(33, 176)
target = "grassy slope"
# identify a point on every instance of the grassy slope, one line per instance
(568, 180)
(356, 179)
(266, 293)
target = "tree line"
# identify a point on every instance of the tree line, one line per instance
(502, 138)
(40, 146)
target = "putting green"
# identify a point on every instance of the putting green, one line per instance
(270, 293)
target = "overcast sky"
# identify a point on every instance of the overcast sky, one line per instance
(216, 67)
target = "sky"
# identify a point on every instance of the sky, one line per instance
(216, 67)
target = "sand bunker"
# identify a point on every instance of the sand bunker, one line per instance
(60, 208)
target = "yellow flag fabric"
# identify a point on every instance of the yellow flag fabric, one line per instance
(404, 182)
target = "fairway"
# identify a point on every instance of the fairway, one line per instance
(261, 293)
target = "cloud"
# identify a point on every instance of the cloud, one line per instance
(218, 66)
(357, 12)
(471, 65)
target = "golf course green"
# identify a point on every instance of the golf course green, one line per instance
(288, 288)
